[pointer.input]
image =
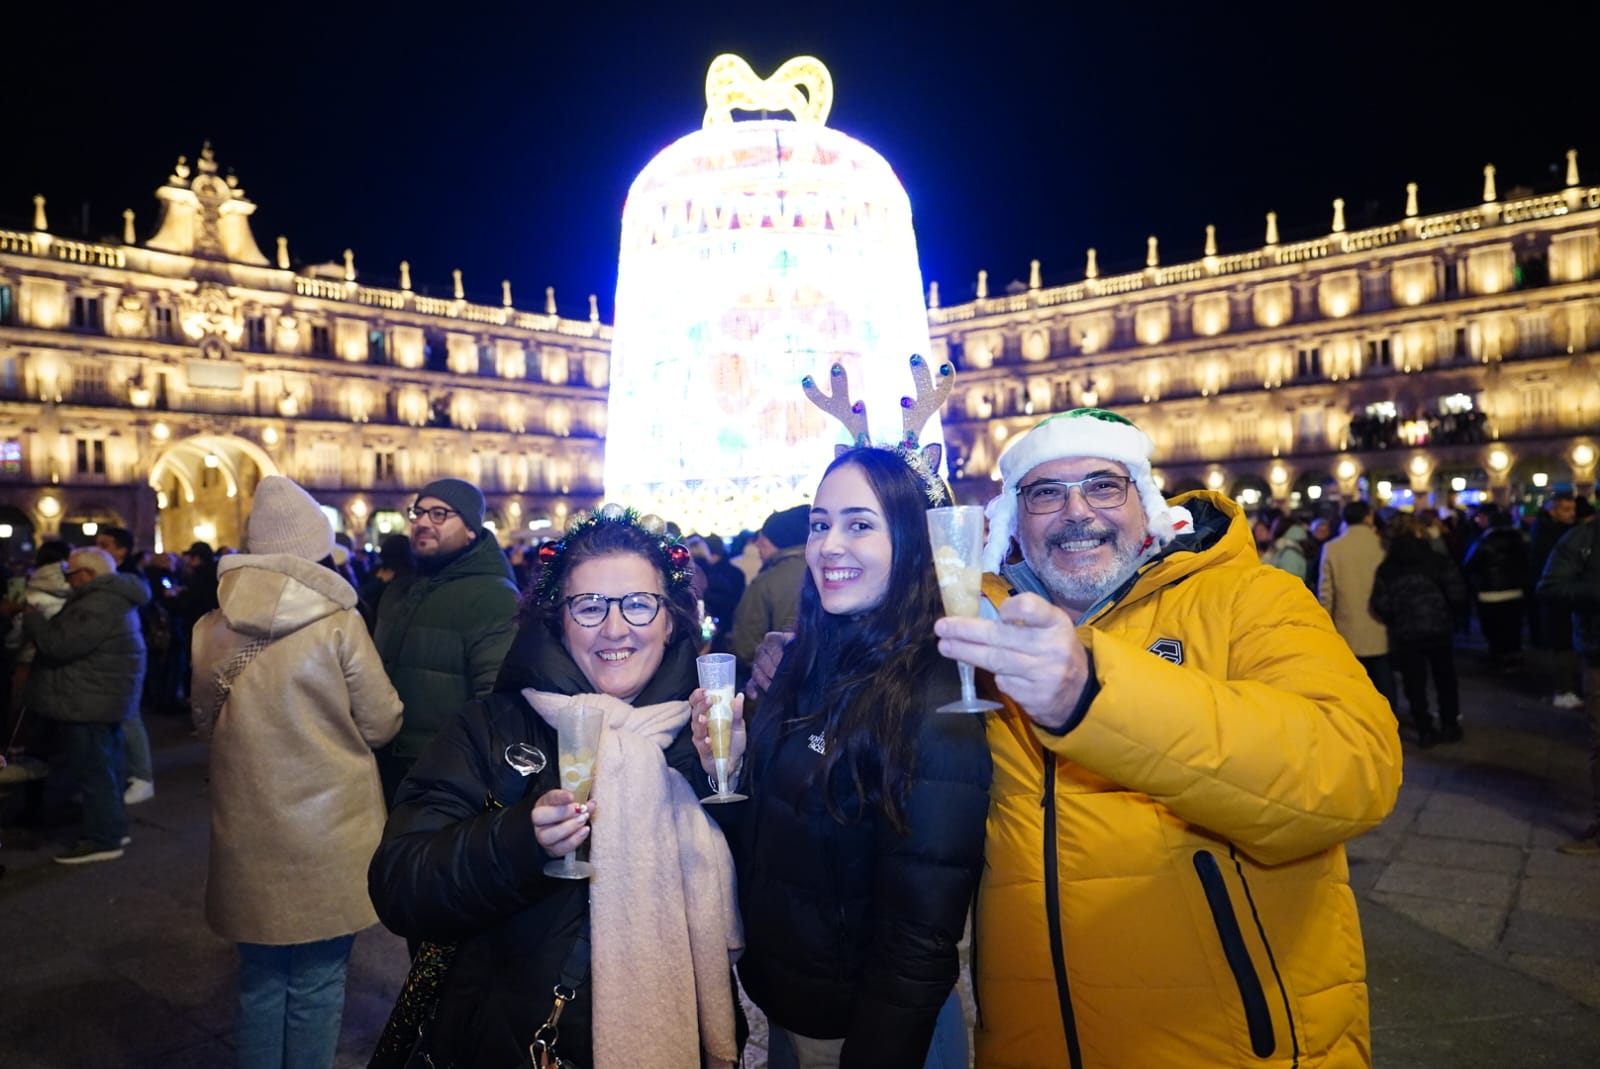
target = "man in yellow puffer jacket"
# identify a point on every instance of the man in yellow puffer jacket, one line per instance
(1185, 746)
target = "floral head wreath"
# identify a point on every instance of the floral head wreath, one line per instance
(914, 415)
(671, 554)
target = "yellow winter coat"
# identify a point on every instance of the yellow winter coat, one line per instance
(1166, 883)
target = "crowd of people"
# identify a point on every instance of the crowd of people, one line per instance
(1403, 587)
(1148, 828)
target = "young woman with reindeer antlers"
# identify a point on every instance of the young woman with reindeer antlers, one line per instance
(861, 843)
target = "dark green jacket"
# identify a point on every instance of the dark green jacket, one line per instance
(90, 664)
(442, 638)
(1571, 581)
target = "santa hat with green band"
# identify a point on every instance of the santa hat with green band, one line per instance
(1083, 432)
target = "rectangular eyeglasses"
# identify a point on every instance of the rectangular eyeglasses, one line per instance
(1050, 495)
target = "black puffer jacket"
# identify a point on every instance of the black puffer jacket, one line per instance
(90, 664)
(1418, 593)
(851, 929)
(1498, 561)
(449, 871)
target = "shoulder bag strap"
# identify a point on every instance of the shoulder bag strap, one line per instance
(574, 973)
(230, 673)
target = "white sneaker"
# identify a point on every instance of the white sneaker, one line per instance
(139, 790)
(1567, 700)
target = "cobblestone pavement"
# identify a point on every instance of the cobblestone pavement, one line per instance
(1482, 940)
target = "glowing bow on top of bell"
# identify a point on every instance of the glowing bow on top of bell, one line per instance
(755, 253)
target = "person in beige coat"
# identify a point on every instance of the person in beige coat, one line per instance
(1349, 563)
(292, 695)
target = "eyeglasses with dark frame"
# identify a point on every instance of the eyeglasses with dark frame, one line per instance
(638, 608)
(1102, 491)
(438, 513)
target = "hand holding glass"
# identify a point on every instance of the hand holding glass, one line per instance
(578, 737)
(957, 537)
(716, 679)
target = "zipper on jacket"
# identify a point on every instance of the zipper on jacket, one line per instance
(1272, 959)
(1052, 913)
(1257, 1018)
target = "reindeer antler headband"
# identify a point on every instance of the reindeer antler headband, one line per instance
(914, 415)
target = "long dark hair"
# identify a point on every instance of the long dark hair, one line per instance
(866, 694)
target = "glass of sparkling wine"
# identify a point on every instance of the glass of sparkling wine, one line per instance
(957, 537)
(716, 677)
(578, 738)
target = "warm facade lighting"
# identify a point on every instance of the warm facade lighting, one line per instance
(1346, 470)
(1541, 479)
(1419, 466)
(49, 507)
(90, 528)
(160, 432)
(1499, 459)
(1583, 454)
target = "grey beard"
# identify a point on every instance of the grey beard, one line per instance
(1080, 589)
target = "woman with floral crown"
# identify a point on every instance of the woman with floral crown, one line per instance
(609, 623)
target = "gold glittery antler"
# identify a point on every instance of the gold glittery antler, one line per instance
(931, 395)
(914, 415)
(853, 414)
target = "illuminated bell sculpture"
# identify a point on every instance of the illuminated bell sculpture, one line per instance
(755, 253)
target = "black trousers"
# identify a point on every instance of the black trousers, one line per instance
(1502, 626)
(1414, 661)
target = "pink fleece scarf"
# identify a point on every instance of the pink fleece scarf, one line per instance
(663, 908)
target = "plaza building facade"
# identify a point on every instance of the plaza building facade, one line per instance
(1440, 360)
(152, 384)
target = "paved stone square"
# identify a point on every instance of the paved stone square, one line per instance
(1483, 942)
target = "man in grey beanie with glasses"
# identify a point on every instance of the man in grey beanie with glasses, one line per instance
(443, 630)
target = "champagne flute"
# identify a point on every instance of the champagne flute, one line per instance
(716, 678)
(578, 738)
(957, 537)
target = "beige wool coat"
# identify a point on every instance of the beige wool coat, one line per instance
(296, 807)
(1349, 563)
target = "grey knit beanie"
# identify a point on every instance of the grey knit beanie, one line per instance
(285, 519)
(459, 495)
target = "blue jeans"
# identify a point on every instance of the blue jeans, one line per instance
(291, 1001)
(947, 1050)
(138, 747)
(94, 753)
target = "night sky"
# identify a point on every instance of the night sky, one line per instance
(501, 138)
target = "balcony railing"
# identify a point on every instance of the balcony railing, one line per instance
(1422, 228)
